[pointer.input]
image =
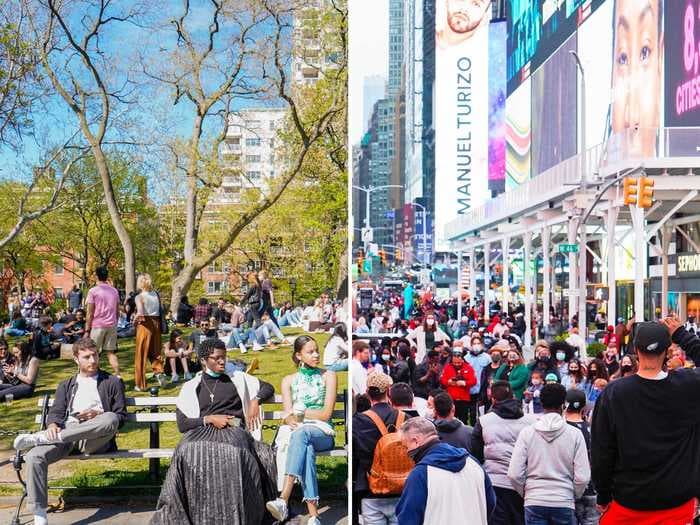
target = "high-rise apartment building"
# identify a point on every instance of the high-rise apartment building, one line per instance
(312, 54)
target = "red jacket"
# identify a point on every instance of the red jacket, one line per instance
(466, 373)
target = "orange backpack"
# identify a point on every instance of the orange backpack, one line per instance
(391, 464)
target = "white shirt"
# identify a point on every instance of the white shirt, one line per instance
(333, 349)
(151, 306)
(359, 377)
(86, 396)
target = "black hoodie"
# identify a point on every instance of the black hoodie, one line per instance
(454, 432)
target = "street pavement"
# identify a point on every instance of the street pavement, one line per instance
(128, 514)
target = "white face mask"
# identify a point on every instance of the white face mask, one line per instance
(430, 322)
(386, 357)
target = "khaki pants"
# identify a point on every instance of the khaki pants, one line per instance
(147, 348)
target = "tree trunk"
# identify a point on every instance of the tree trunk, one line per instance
(182, 282)
(117, 222)
(342, 279)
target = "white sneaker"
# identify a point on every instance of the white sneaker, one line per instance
(161, 379)
(257, 347)
(313, 520)
(278, 509)
(41, 519)
(25, 441)
(137, 389)
(244, 350)
(188, 376)
(174, 378)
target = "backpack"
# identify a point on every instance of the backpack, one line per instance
(391, 464)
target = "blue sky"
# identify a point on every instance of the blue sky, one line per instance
(56, 123)
(369, 53)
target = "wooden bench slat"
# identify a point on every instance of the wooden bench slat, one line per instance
(144, 453)
(133, 401)
(278, 399)
(141, 417)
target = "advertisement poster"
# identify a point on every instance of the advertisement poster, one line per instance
(497, 106)
(461, 110)
(518, 136)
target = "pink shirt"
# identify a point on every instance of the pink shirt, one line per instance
(106, 301)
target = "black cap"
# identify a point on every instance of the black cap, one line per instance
(575, 399)
(652, 337)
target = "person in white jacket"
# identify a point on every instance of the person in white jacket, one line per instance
(549, 466)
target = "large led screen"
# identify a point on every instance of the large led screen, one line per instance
(536, 28)
(461, 110)
(497, 107)
(682, 50)
(518, 136)
(554, 109)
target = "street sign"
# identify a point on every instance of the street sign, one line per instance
(568, 248)
(367, 265)
(571, 293)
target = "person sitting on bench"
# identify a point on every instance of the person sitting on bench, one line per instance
(88, 409)
(19, 374)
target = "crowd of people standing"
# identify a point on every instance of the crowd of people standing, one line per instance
(547, 431)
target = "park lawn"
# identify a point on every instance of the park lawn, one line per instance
(128, 474)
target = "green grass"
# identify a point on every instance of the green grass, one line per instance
(274, 365)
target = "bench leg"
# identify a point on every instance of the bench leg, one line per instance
(17, 464)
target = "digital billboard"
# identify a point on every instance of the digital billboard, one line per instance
(554, 109)
(461, 109)
(682, 69)
(497, 106)
(536, 28)
(518, 136)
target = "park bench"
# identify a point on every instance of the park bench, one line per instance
(153, 410)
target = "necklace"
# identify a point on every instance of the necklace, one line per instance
(211, 392)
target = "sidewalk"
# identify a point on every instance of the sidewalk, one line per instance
(139, 514)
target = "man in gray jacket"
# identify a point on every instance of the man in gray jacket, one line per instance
(493, 440)
(549, 466)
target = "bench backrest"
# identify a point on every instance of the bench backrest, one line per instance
(169, 402)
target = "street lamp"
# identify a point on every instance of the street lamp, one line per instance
(583, 256)
(368, 190)
(293, 288)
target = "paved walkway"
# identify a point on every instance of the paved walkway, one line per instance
(138, 515)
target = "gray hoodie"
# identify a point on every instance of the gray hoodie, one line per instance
(549, 466)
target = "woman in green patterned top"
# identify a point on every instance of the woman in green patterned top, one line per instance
(309, 398)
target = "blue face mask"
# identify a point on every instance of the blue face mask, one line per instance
(213, 374)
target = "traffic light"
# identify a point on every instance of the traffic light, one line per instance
(646, 192)
(630, 189)
(360, 260)
(382, 257)
(398, 254)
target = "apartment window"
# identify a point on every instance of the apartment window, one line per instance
(253, 124)
(273, 125)
(214, 287)
(234, 141)
(255, 141)
(58, 269)
(253, 174)
(252, 158)
(58, 293)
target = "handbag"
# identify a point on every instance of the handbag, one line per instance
(161, 313)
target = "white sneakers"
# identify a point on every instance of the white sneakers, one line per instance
(244, 350)
(161, 379)
(40, 518)
(278, 509)
(174, 378)
(25, 441)
(257, 347)
(313, 520)
(188, 376)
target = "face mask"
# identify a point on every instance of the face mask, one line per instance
(386, 357)
(536, 382)
(561, 356)
(430, 322)
(476, 349)
(496, 358)
(213, 374)
(573, 370)
(626, 368)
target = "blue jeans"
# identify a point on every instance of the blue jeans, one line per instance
(239, 335)
(301, 457)
(536, 515)
(271, 328)
(341, 365)
(14, 332)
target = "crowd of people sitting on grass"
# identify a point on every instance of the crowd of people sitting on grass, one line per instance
(509, 437)
(218, 405)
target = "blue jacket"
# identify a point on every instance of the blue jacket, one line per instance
(410, 509)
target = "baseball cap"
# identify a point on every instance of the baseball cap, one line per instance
(575, 399)
(551, 377)
(379, 381)
(652, 337)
